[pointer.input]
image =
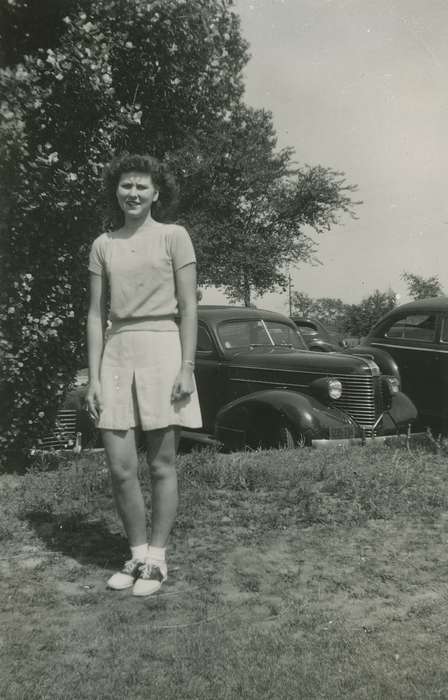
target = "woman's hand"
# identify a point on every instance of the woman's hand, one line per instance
(93, 400)
(183, 384)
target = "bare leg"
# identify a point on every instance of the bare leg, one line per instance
(162, 449)
(121, 453)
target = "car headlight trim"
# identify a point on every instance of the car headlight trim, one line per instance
(327, 388)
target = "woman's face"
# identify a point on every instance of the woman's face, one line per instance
(135, 194)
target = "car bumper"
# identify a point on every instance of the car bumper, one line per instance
(391, 440)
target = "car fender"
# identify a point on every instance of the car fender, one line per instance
(259, 415)
(382, 358)
(402, 412)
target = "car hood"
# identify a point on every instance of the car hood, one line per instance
(304, 360)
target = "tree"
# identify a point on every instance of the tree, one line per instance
(121, 75)
(422, 287)
(28, 25)
(302, 304)
(332, 312)
(253, 209)
(361, 317)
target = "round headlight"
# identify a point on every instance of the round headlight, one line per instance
(334, 389)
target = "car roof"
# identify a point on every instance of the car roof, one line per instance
(223, 313)
(428, 304)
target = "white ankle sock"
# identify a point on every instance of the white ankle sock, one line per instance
(140, 552)
(156, 553)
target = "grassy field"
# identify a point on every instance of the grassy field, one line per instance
(292, 574)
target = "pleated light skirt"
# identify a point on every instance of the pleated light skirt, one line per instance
(138, 371)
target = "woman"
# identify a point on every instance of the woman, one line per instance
(141, 372)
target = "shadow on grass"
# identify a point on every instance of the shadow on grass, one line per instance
(85, 539)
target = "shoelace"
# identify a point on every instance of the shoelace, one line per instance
(130, 566)
(148, 570)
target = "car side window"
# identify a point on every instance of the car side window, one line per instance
(416, 327)
(204, 342)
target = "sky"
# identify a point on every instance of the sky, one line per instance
(360, 86)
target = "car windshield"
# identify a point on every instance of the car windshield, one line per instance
(259, 333)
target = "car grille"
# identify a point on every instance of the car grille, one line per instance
(361, 397)
(64, 434)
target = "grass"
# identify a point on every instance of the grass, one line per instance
(292, 574)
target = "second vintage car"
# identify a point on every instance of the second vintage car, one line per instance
(259, 386)
(316, 336)
(412, 341)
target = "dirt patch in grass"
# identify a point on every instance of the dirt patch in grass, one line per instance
(284, 581)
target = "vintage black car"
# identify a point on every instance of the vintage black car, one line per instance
(317, 336)
(259, 386)
(412, 342)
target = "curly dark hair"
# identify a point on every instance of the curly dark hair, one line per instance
(164, 209)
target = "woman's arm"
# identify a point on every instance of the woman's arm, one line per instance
(187, 301)
(96, 323)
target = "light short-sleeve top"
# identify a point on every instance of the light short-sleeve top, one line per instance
(140, 270)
